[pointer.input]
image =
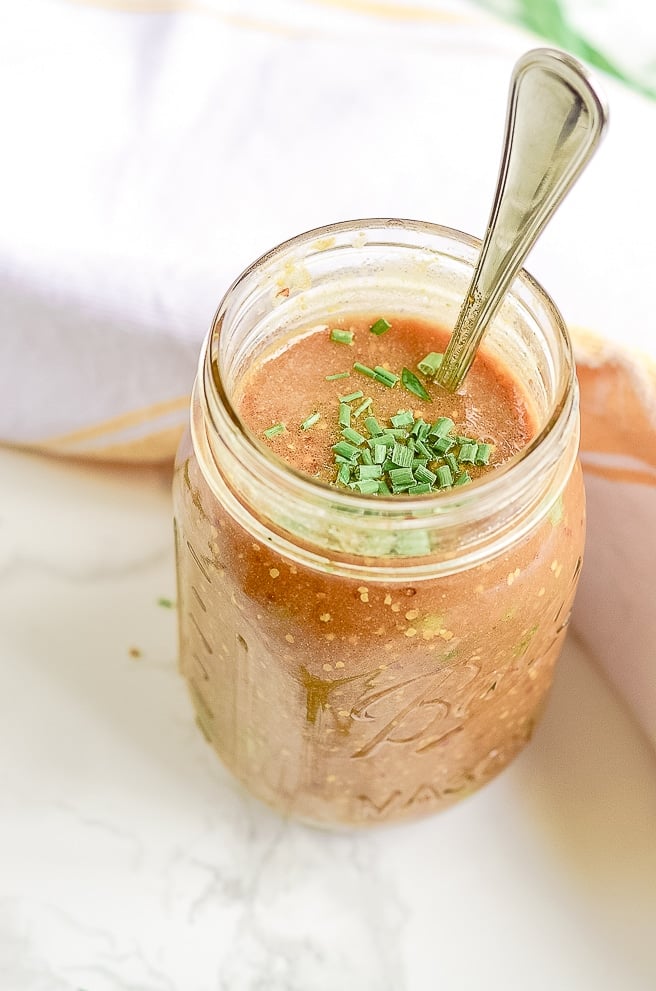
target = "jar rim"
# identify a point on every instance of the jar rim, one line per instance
(215, 391)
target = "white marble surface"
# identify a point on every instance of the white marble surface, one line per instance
(129, 860)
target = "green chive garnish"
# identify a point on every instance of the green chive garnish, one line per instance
(395, 459)
(351, 396)
(444, 477)
(404, 418)
(310, 422)
(423, 474)
(401, 456)
(412, 384)
(341, 336)
(353, 436)
(442, 426)
(337, 375)
(468, 454)
(420, 429)
(277, 428)
(364, 369)
(384, 440)
(430, 364)
(367, 486)
(362, 407)
(373, 426)
(443, 445)
(344, 474)
(345, 450)
(369, 471)
(401, 478)
(483, 454)
(380, 327)
(384, 377)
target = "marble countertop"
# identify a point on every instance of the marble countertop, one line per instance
(130, 861)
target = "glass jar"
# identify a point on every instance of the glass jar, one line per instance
(357, 659)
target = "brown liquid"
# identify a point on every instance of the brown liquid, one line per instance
(291, 384)
(346, 701)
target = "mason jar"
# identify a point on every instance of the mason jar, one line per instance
(356, 659)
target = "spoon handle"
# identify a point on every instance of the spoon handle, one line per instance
(554, 122)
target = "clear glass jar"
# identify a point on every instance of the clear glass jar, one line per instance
(356, 659)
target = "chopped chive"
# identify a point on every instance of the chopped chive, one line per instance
(385, 439)
(341, 460)
(483, 454)
(468, 453)
(362, 407)
(344, 415)
(430, 364)
(423, 449)
(462, 479)
(419, 489)
(337, 375)
(380, 453)
(380, 327)
(364, 369)
(344, 474)
(396, 432)
(444, 477)
(383, 488)
(410, 382)
(353, 436)
(401, 477)
(310, 421)
(418, 428)
(367, 486)
(402, 419)
(452, 462)
(401, 456)
(369, 471)
(464, 440)
(277, 428)
(373, 426)
(419, 461)
(341, 336)
(423, 474)
(384, 377)
(388, 465)
(344, 450)
(366, 457)
(351, 396)
(442, 426)
(443, 445)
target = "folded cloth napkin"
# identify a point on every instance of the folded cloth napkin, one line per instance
(151, 152)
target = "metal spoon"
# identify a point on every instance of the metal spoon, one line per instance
(554, 122)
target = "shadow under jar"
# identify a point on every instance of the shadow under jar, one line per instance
(363, 723)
